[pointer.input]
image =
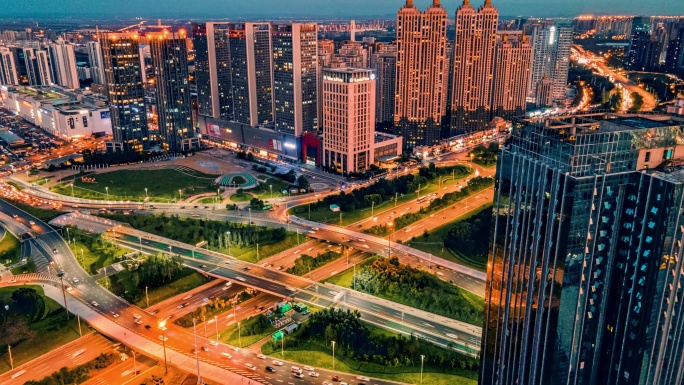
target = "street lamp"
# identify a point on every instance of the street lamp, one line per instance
(146, 192)
(162, 326)
(422, 358)
(333, 344)
(271, 187)
(61, 281)
(239, 335)
(228, 234)
(107, 190)
(389, 237)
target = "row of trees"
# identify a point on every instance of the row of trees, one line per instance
(193, 231)
(432, 172)
(25, 306)
(78, 374)
(355, 340)
(97, 245)
(211, 308)
(306, 263)
(485, 156)
(417, 288)
(471, 236)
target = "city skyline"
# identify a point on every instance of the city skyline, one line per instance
(308, 8)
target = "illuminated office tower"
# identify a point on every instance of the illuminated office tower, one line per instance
(385, 66)
(511, 74)
(295, 68)
(169, 55)
(421, 73)
(551, 44)
(584, 278)
(348, 119)
(473, 67)
(212, 69)
(122, 68)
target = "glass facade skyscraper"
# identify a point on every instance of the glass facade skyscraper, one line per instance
(585, 269)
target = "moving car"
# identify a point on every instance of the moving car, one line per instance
(251, 366)
(277, 363)
(95, 304)
(270, 369)
(313, 374)
(228, 356)
(263, 357)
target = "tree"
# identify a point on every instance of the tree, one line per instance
(303, 182)
(329, 334)
(256, 203)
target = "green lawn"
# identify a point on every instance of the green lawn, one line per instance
(241, 197)
(162, 185)
(181, 285)
(319, 356)
(265, 191)
(329, 217)
(209, 200)
(51, 331)
(35, 211)
(41, 181)
(249, 253)
(16, 185)
(434, 244)
(123, 284)
(10, 249)
(28, 268)
(94, 254)
(345, 278)
(231, 336)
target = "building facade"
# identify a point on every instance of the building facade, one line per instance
(8, 67)
(95, 60)
(63, 61)
(584, 274)
(348, 119)
(473, 68)
(37, 67)
(551, 46)
(511, 74)
(385, 66)
(170, 63)
(212, 69)
(125, 89)
(421, 74)
(295, 68)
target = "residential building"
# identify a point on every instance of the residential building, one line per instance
(473, 68)
(125, 89)
(353, 54)
(348, 119)
(8, 67)
(641, 26)
(95, 61)
(385, 66)
(63, 61)
(169, 54)
(37, 67)
(551, 44)
(646, 53)
(584, 282)
(421, 74)
(295, 68)
(513, 56)
(212, 69)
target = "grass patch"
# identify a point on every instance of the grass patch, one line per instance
(41, 181)
(238, 180)
(252, 330)
(93, 251)
(50, 331)
(15, 185)
(346, 277)
(306, 263)
(39, 213)
(209, 200)
(249, 254)
(162, 185)
(181, 285)
(317, 352)
(241, 197)
(329, 217)
(434, 243)
(28, 268)
(264, 191)
(10, 249)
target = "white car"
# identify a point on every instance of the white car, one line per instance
(162, 338)
(362, 378)
(277, 363)
(308, 368)
(95, 304)
(137, 316)
(313, 374)
(213, 343)
(263, 357)
(75, 280)
(251, 366)
(115, 315)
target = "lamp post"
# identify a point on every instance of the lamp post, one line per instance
(422, 358)
(107, 190)
(194, 328)
(239, 335)
(61, 281)
(333, 344)
(228, 234)
(271, 187)
(162, 326)
(146, 196)
(180, 196)
(147, 298)
(389, 241)
(72, 189)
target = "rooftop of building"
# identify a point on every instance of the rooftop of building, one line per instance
(383, 137)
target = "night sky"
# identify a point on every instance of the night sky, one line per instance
(319, 8)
